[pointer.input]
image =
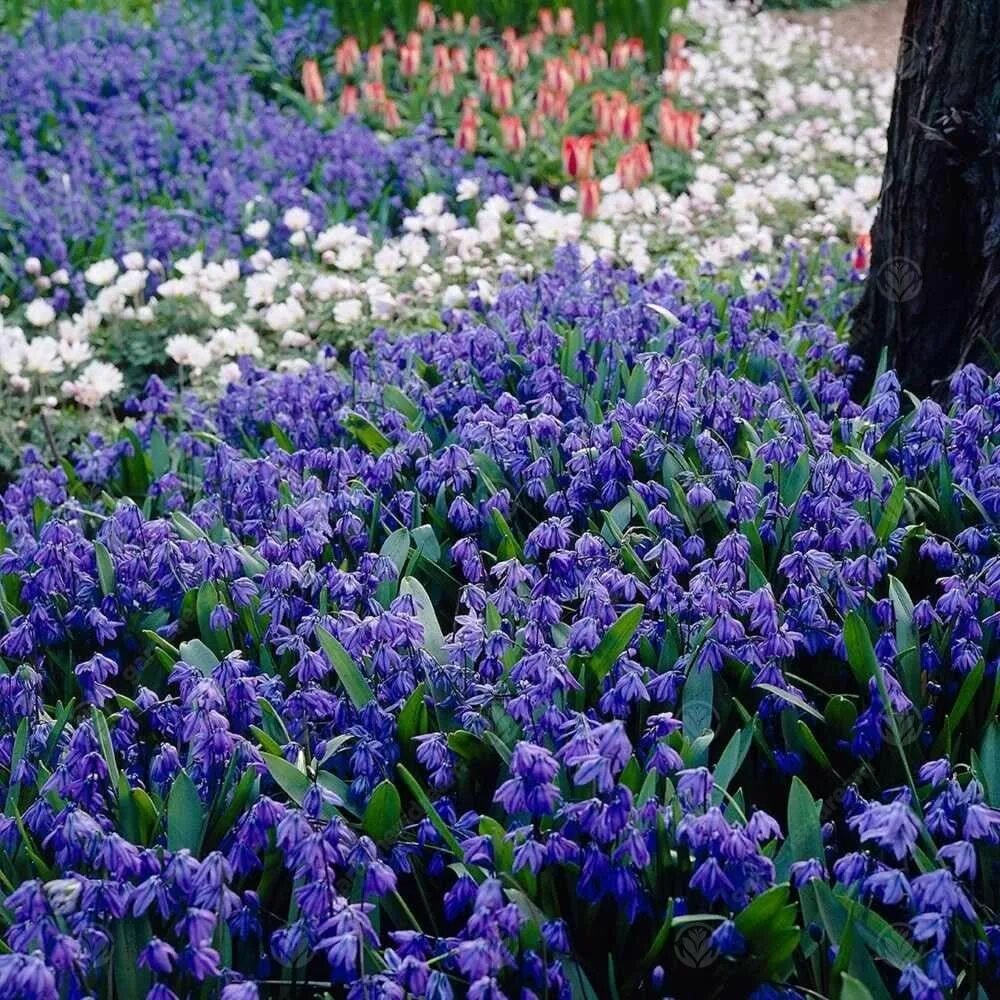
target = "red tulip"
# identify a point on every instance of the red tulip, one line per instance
(580, 66)
(517, 56)
(486, 61)
(441, 58)
(312, 82)
(678, 129)
(545, 21)
(502, 93)
(564, 22)
(536, 125)
(634, 166)
(600, 34)
(459, 60)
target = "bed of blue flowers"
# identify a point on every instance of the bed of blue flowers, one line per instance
(603, 642)
(598, 645)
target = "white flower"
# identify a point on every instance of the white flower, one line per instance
(41, 356)
(258, 230)
(74, 352)
(133, 261)
(430, 205)
(296, 219)
(101, 273)
(389, 259)
(453, 296)
(350, 258)
(467, 189)
(60, 277)
(294, 338)
(298, 239)
(98, 380)
(283, 316)
(39, 312)
(32, 267)
(190, 266)
(132, 282)
(189, 352)
(347, 312)
(229, 373)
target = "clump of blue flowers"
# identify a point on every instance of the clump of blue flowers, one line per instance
(598, 644)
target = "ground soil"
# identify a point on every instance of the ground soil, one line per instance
(875, 24)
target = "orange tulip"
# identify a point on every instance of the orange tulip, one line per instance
(517, 57)
(467, 135)
(425, 16)
(312, 82)
(512, 133)
(443, 82)
(459, 60)
(620, 55)
(502, 93)
(375, 62)
(862, 252)
(441, 58)
(486, 61)
(598, 57)
(349, 100)
(536, 125)
(634, 166)
(578, 155)
(347, 56)
(589, 198)
(409, 60)
(678, 129)
(580, 66)
(564, 22)
(546, 22)
(390, 115)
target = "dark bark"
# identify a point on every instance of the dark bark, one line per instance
(932, 297)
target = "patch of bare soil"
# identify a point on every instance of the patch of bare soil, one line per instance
(876, 24)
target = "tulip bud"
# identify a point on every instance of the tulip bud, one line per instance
(312, 82)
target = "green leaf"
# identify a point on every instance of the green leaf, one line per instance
(354, 682)
(792, 698)
(105, 569)
(397, 400)
(853, 989)
(366, 433)
(185, 815)
(966, 693)
(381, 820)
(197, 654)
(414, 719)
(289, 778)
(615, 641)
(805, 837)
(443, 830)
(989, 755)
(17, 754)
(860, 652)
(129, 978)
(107, 747)
(892, 511)
(433, 636)
(396, 548)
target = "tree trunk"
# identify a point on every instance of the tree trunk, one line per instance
(932, 297)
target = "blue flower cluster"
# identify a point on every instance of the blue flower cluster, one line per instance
(117, 136)
(598, 644)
